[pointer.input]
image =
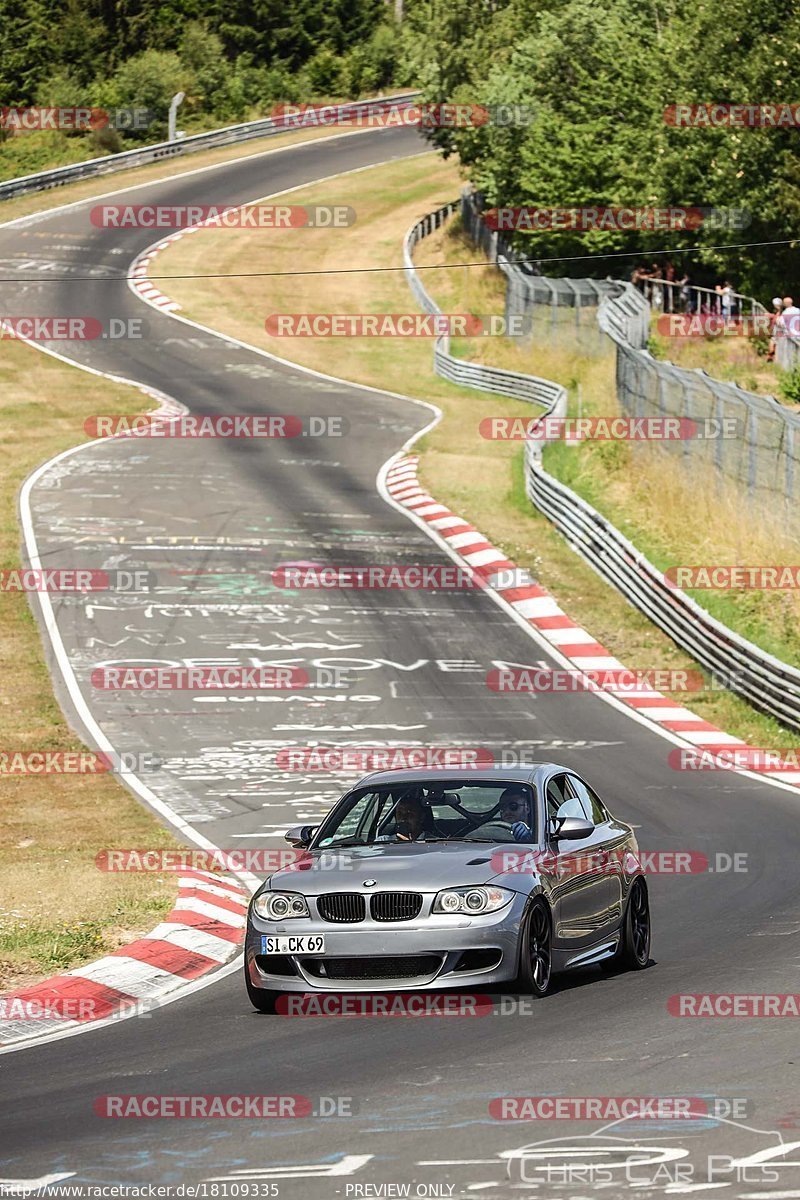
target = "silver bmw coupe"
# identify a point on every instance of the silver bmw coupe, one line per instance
(420, 879)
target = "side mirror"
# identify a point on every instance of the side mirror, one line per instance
(572, 829)
(299, 835)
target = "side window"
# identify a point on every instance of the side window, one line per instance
(590, 801)
(560, 802)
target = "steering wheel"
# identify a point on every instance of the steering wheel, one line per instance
(490, 830)
(472, 822)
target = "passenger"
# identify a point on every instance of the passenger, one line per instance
(413, 821)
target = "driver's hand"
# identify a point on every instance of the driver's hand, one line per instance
(521, 832)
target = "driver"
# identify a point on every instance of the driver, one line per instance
(513, 807)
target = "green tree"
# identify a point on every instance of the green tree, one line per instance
(24, 50)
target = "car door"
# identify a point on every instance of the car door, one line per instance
(581, 885)
(613, 840)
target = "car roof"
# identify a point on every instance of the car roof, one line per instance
(498, 773)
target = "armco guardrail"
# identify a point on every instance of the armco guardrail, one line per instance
(265, 127)
(767, 683)
(770, 685)
(551, 396)
(763, 457)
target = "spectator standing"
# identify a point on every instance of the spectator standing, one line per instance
(717, 301)
(638, 276)
(777, 309)
(669, 291)
(788, 323)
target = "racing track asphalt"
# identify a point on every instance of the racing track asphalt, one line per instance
(421, 1087)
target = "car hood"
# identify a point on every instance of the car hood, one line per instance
(421, 866)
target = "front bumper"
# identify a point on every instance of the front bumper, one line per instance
(453, 951)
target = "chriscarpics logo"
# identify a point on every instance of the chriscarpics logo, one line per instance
(652, 1156)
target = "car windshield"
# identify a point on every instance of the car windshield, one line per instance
(432, 811)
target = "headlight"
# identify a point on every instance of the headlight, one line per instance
(473, 900)
(279, 906)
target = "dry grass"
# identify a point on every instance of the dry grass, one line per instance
(731, 359)
(57, 909)
(388, 200)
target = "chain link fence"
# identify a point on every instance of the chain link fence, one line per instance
(750, 440)
(787, 351)
(497, 380)
(770, 685)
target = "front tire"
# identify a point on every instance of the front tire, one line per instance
(633, 952)
(263, 1001)
(536, 951)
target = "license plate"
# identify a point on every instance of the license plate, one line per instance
(308, 943)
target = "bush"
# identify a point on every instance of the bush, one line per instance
(148, 80)
(790, 386)
(760, 344)
(31, 152)
(61, 90)
(275, 83)
(105, 141)
(371, 66)
(203, 60)
(325, 74)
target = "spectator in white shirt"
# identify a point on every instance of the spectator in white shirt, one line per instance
(788, 323)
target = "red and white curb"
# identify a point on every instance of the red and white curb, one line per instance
(140, 269)
(203, 931)
(538, 608)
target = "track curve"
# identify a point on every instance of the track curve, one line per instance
(421, 1088)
